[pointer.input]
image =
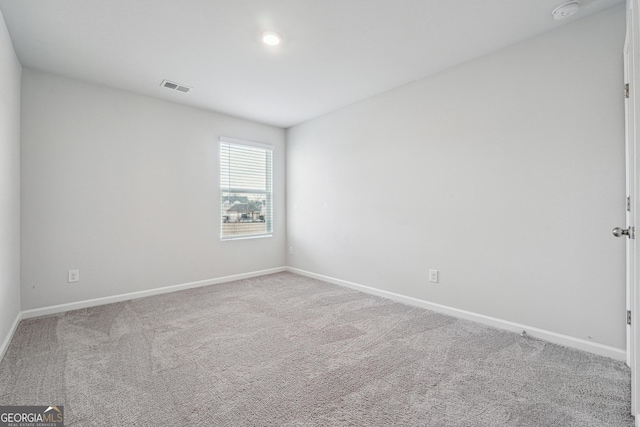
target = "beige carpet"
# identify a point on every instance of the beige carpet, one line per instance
(286, 350)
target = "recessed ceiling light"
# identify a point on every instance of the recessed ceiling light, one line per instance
(271, 38)
(565, 10)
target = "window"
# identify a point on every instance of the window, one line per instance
(246, 189)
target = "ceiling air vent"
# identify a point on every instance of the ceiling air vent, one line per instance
(176, 86)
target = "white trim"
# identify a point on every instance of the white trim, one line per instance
(568, 341)
(44, 311)
(236, 141)
(565, 340)
(9, 337)
(245, 237)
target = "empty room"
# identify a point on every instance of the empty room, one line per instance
(319, 213)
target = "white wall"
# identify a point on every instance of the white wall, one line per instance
(10, 73)
(505, 173)
(125, 188)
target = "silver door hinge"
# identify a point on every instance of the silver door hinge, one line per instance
(626, 90)
(628, 317)
(628, 204)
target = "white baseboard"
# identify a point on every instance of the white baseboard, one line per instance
(7, 340)
(565, 340)
(61, 308)
(556, 338)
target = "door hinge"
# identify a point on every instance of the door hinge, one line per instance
(628, 317)
(628, 204)
(626, 90)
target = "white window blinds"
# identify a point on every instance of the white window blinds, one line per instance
(246, 189)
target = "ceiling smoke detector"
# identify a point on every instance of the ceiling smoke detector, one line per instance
(565, 10)
(176, 86)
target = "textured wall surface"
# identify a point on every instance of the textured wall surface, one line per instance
(125, 188)
(10, 70)
(505, 173)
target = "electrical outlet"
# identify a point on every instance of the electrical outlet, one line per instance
(433, 276)
(74, 276)
(290, 250)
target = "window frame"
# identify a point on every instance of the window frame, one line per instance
(268, 191)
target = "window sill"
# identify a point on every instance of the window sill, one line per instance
(255, 236)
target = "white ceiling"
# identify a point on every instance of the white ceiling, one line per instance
(335, 52)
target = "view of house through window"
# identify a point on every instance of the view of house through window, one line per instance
(246, 193)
